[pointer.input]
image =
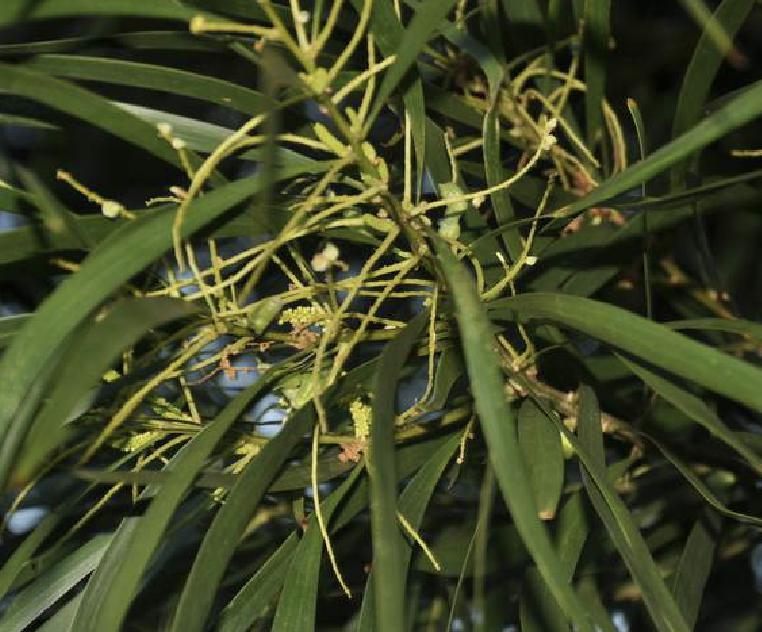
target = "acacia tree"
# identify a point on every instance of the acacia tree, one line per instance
(364, 315)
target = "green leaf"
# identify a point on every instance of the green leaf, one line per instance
(139, 40)
(538, 611)
(449, 370)
(589, 428)
(229, 524)
(63, 619)
(428, 17)
(25, 121)
(254, 600)
(697, 410)
(41, 594)
(499, 427)
(701, 72)
(17, 10)
(543, 454)
(205, 137)
(24, 551)
(125, 253)
(642, 338)
(619, 524)
(298, 600)
(388, 33)
(735, 326)
(493, 170)
(388, 566)
(694, 567)
(93, 351)
(10, 326)
(701, 488)
(152, 77)
(83, 104)
(111, 589)
(741, 110)
(596, 51)
(411, 504)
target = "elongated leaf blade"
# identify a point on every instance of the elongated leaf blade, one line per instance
(428, 17)
(34, 600)
(152, 77)
(704, 64)
(697, 410)
(297, 603)
(17, 10)
(597, 34)
(644, 339)
(113, 586)
(86, 105)
(92, 352)
(693, 569)
(412, 504)
(229, 524)
(620, 526)
(744, 108)
(499, 427)
(387, 550)
(542, 450)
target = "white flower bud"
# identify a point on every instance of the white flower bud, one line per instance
(111, 209)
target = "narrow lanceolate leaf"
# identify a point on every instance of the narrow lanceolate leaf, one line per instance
(701, 488)
(63, 619)
(543, 453)
(694, 567)
(10, 326)
(14, 564)
(85, 105)
(298, 600)
(428, 17)
(499, 426)
(139, 40)
(493, 171)
(412, 504)
(619, 524)
(44, 592)
(387, 550)
(654, 343)
(388, 33)
(737, 112)
(698, 411)
(125, 253)
(255, 599)
(538, 610)
(16, 10)
(112, 588)
(702, 70)
(152, 77)
(229, 524)
(596, 45)
(93, 351)
(735, 326)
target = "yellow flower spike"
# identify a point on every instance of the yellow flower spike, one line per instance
(361, 418)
